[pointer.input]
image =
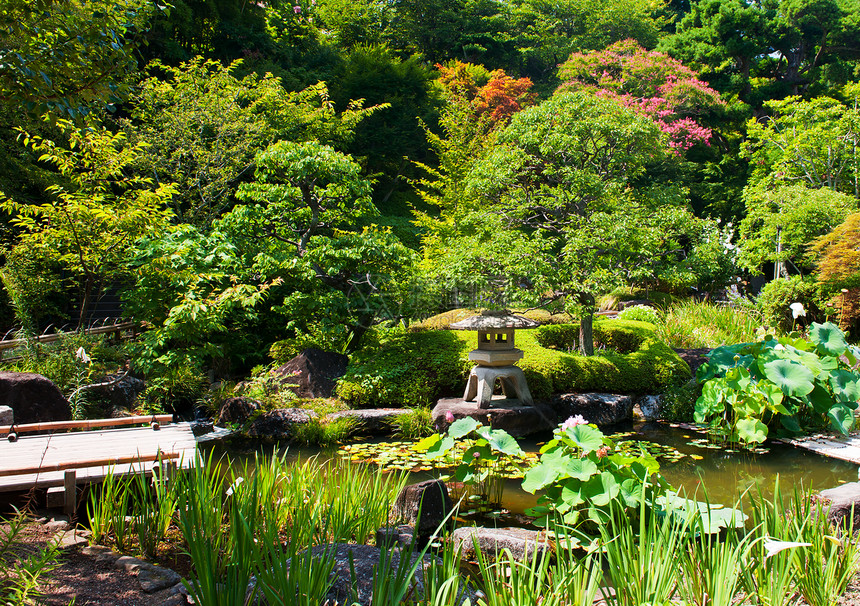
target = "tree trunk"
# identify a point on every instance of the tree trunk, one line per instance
(586, 335)
(85, 302)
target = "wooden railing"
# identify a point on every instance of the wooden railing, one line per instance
(12, 431)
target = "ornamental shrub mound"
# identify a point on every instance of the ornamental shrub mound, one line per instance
(414, 369)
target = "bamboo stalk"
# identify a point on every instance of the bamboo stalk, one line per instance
(86, 424)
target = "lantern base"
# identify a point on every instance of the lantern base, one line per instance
(482, 379)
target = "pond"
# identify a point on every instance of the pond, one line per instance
(687, 462)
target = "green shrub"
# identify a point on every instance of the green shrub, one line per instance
(678, 402)
(409, 369)
(417, 423)
(640, 313)
(649, 367)
(406, 369)
(777, 295)
(564, 337)
(444, 320)
(694, 324)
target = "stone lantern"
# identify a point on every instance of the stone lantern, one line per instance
(496, 357)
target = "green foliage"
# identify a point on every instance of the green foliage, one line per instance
(775, 299)
(550, 32)
(187, 287)
(324, 433)
(61, 362)
(405, 369)
(68, 58)
(583, 477)
(757, 51)
(173, 386)
(802, 384)
(417, 368)
(203, 124)
(639, 313)
(89, 225)
(648, 366)
(790, 217)
(695, 324)
(812, 142)
(22, 568)
(478, 466)
(678, 402)
(416, 423)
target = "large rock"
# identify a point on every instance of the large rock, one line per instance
(364, 560)
(279, 424)
(520, 542)
(424, 505)
(648, 408)
(120, 392)
(7, 415)
(33, 398)
(517, 420)
(371, 421)
(844, 504)
(597, 408)
(238, 410)
(313, 373)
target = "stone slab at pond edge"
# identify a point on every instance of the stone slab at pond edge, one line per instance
(843, 501)
(514, 418)
(521, 542)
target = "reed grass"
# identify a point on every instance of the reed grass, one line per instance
(693, 324)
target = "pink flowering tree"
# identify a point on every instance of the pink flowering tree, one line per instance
(650, 83)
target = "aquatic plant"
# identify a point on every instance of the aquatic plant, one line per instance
(581, 472)
(479, 463)
(802, 383)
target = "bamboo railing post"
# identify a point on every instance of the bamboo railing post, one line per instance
(70, 496)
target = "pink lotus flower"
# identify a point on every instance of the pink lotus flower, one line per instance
(449, 416)
(573, 422)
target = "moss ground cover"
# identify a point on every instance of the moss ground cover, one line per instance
(415, 368)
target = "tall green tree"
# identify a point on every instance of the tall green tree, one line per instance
(538, 222)
(311, 212)
(89, 226)
(67, 57)
(546, 32)
(782, 221)
(770, 48)
(815, 142)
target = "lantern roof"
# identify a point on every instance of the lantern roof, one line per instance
(494, 320)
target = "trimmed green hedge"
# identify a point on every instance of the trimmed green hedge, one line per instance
(405, 369)
(412, 369)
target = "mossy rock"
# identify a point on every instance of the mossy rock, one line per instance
(413, 369)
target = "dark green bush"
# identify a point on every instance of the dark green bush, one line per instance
(777, 295)
(407, 369)
(678, 402)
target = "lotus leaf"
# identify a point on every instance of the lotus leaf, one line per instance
(828, 338)
(792, 378)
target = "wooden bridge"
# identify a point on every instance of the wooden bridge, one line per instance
(61, 460)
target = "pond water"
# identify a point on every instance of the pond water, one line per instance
(687, 462)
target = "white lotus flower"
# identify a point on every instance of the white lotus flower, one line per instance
(773, 547)
(797, 310)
